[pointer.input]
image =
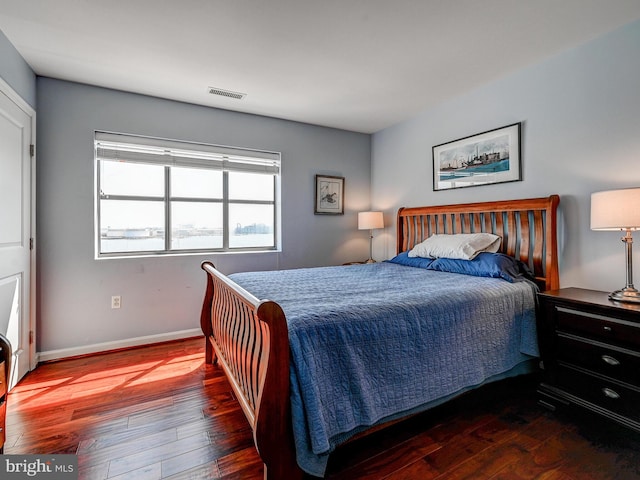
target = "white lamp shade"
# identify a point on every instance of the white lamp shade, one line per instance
(616, 209)
(370, 220)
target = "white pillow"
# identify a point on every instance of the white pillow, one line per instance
(464, 246)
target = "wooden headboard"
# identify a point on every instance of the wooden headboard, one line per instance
(527, 227)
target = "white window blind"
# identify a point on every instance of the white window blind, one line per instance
(127, 148)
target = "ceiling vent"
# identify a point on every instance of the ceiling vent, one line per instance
(226, 93)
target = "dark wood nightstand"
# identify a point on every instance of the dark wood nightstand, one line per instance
(590, 348)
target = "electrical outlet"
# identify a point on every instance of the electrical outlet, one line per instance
(116, 301)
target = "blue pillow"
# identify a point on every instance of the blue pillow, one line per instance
(405, 259)
(485, 264)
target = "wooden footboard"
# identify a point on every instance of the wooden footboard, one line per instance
(249, 339)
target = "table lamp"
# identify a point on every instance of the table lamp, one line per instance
(619, 210)
(370, 221)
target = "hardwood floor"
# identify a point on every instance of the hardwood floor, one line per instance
(158, 412)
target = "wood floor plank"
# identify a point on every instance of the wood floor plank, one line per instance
(392, 459)
(241, 464)
(168, 450)
(94, 472)
(199, 457)
(160, 413)
(148, 472)
(201, 472)
(456, 451)
(120, 408)
(106, 448)
(487, 463)
(416, 470)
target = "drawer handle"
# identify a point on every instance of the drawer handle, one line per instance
(607, 329)
(610, 393)
(610, 360)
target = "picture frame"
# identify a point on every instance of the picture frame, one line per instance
(329, 195)
(485, 158)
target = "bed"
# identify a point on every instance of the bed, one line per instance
(317, 356)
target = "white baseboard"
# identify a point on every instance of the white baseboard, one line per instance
(115, 345)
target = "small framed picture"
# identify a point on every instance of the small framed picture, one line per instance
(329, 195)
(482, 159)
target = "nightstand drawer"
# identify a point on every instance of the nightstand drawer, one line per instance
(598, 327)
(620, 364)
(601, 392)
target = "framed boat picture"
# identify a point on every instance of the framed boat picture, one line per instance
(482, 159)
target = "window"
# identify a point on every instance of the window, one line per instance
(160, 197)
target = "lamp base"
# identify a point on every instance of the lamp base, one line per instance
(627, 294)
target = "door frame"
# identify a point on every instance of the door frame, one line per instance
(7, 90)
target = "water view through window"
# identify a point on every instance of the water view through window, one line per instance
(168, 208)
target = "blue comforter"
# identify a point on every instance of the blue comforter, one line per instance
(371, 342)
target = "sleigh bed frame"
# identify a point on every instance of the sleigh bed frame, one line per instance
(248, 337)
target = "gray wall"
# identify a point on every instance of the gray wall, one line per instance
(16, 72)
(161, 295)
(581, 133)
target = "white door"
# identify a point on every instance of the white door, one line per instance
(15, 233)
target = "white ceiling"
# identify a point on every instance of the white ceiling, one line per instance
(359, 65)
